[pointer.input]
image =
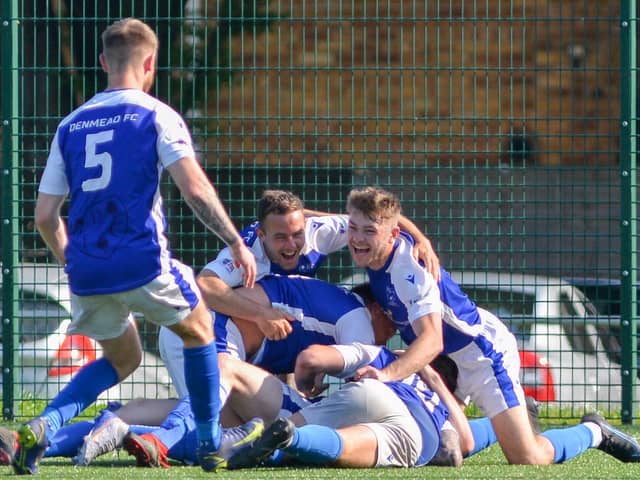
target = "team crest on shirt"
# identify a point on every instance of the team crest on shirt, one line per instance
(304, 268)
(228, 265)
(392, 298)
(249, 234)
(315, 224)
(411, 278)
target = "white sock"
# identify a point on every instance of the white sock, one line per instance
(596, 433)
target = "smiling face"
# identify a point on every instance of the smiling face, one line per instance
(370, 242)
(373, 226)
(283, 237)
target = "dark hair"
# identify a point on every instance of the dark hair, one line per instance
(447, 369)
(279, 202)
(363, 290)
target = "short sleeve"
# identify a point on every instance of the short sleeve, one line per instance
(174, 140)
(54, 179)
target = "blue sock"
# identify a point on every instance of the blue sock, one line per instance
(276, 459)
(315, 445)
(203, 382)
(68, 439)
(483, 434)
(569, 442)
(186, 449)
(83, 389)
(178, 433)
(175, 427)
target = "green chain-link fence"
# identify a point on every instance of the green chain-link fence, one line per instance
(507, 128)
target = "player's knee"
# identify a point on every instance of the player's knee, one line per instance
(195, 330)
(537, 453)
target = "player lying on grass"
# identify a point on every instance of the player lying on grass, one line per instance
(367, 423)
(401, 421)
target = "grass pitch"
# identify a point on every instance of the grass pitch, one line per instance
(489, 464)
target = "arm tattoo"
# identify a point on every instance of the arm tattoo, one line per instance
(211, 212)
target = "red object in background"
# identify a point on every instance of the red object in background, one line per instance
(74, 353)
(536, 377)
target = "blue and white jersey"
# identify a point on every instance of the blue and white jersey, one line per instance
(323, 235)
(108, 155)
(424, 404)
(407, 291)
(325, 314)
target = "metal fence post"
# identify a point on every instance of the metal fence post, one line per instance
(628, 210)
(9, 182)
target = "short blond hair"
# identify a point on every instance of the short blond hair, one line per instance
(126, 41)
(375, 203)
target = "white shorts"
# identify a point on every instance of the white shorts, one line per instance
(162, 301)
(491, 382)
(171, 351)
(373, 404)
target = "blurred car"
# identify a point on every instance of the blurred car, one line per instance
(605, 293)
(46, 358)
(565, 346)
(557, 321)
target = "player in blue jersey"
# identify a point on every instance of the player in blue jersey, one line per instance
(283, 241)
(246, 390)
(434, 317)
(367, 423)
(363, 424)
(108, 156)
(250, 391)
(286, 239)
(322, 313)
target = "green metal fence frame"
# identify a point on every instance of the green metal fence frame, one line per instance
(9, 25)
(628, 217)
(10, 132)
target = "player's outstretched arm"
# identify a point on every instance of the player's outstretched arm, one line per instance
(273, 323)
(426, 346)
(422, 250)
(457, 416)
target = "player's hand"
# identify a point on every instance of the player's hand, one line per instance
(243, 257)
(423, 250)
(313, 386)
(370, 372)
(278, 327)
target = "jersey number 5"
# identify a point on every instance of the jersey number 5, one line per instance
(93, 159)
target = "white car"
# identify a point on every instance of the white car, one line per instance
(555, 321)
(46, 358)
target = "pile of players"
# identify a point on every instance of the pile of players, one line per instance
(255, 313)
